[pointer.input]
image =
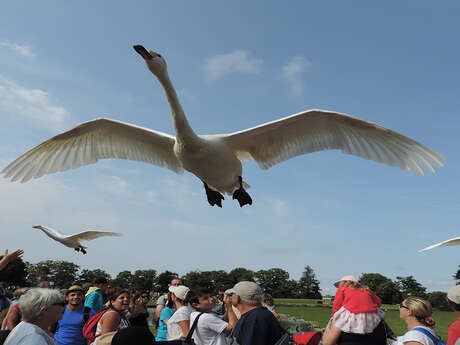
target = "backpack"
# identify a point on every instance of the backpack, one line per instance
(436, 341)
(89, 329)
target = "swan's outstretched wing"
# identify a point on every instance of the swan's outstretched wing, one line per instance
(317, 130)
(452, 242)
(91, 235)
(90, 141)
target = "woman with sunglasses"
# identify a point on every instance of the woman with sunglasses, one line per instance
(40, 309)
(416, 312)
(138, 309)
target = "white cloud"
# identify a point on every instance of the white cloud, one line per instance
(279, 206)
(293, 72)
(115, 185)
(191, 229)
(237, 61)
(22, 50)
(31, 103)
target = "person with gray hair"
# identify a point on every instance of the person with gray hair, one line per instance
(257, 325)
(40, 309)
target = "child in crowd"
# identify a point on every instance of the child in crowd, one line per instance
(356, 309)
(210, 329)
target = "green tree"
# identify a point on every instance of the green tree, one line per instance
(144, 280)
(61, 274)
(273, 280)
(218, 279)
(163, 281)
(87, 276)
(438, 300)
(239, 274)
(382, 286)
(124, 279)
(410, 287)
(309, 285)
(291, 289)
(198, 279)
(64, 274)
(38, 272)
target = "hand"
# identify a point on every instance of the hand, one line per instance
(228, 300)
(7, 258)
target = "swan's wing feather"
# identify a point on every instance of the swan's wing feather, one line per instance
(318, 130)
(93, 140)
(91, 235)
(452, 242)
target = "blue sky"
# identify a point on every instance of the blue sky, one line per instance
(236, 65)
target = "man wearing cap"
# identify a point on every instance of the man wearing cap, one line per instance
(453, 300)
(257, 325)
(70, 327)
(94, 298)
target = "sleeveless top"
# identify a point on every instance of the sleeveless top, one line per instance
(123, 322)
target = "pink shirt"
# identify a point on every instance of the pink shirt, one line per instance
(356, 300)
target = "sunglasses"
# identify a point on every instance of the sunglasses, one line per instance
(403, 306)
(145, 296)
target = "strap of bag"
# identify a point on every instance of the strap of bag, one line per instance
(190, 333)
(428, 333)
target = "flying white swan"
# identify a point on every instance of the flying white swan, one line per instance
(73, 241)
(216, 159)
(452, 242)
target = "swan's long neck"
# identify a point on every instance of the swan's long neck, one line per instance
(50, 234)
(181, 125)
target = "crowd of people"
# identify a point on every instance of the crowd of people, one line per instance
(102, 314)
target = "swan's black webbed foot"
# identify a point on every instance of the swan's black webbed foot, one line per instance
(77, 249)
(83, 251)
(241, 195)
(214, 197)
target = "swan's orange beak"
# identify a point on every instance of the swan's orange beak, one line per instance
(36, 226)
(143, 52)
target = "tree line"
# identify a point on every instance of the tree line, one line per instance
(275, 281)
(61, 274)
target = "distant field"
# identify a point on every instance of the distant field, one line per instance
(310, 310)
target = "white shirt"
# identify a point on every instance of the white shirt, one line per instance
(28, 334)
(174, 330)
(209, 330)
(417, 336)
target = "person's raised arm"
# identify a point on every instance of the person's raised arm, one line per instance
(229, 314)
(7, 258)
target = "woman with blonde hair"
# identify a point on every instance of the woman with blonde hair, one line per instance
(267, 302)
(416, 312)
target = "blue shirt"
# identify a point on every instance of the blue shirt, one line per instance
(162, 332)
(95, 301)
(70, 327)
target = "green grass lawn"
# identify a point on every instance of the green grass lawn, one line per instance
(321, 316)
